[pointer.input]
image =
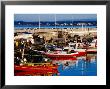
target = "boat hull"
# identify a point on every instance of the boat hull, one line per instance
(35, 70)
(62, 56)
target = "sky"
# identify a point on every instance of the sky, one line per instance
(51, 17)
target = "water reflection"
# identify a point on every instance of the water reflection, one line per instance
(83, 66)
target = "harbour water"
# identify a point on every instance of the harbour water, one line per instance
(82, 67)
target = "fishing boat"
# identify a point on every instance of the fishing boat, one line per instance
(60, 54)
(34, 64)
(69, 53)
(33, 69)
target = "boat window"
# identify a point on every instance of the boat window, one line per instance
(65, 50)
(72, 51)
(71, 45)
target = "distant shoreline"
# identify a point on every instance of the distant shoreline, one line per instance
(71, 31)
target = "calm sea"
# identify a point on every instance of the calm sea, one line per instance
(22, 27)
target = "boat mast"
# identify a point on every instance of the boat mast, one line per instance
(39, 22)
(55, 21)
(72, 22)
(55, 29)
(82, 26)
(72, 25)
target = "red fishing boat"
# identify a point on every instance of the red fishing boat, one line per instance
(59, 54)
(39, 69)
(71, 56)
